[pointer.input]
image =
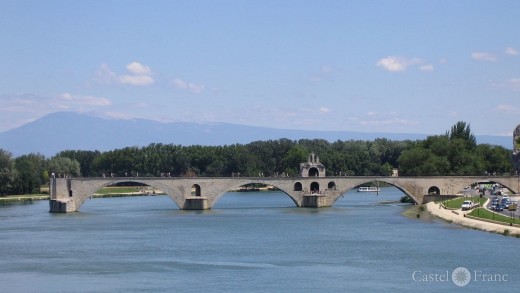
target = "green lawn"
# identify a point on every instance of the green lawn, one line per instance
(118, 189)
(456, 203)
(487, 214)
(23, 197)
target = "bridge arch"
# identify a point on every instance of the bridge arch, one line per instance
(286, 189)
(355, 183)
(298, 186)
(434, 190)
(405, 191)
(315, 187)
(314, 172)
(195, 190)
(505, 183)
(90, 188)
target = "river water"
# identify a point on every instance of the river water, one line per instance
(249, 242)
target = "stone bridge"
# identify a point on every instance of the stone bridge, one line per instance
(200, 193)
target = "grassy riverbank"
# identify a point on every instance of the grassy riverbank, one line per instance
(456, 203)
(417, 212)
(23, 198)
(486, 214)
(120, 191)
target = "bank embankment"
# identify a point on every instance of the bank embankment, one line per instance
(459, 217)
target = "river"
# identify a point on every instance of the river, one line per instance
(249, 242)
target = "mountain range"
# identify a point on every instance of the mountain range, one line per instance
(74, 131)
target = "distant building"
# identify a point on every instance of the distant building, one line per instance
(312, 168)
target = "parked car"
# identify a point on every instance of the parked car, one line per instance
(499, 208)
(467, 205)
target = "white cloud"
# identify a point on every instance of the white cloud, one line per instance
(139, 75)
(514, 84)
(511, 51)
(324, 110)
(393, 63)
(74, 100)
(118, 115)
(105, 75)
(506, 109)
(325, 72)
(426, 67)
(398, 63)
(327, 69)
(483, 56)
(192, 87)
(138, 80)
(180, 84)
(383, 119)
(138, 68)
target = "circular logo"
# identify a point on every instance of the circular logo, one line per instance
(461, 276)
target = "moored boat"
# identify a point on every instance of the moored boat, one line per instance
(368, 189)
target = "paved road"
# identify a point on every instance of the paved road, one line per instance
(505, 212)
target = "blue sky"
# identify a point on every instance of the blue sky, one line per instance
(371, 66)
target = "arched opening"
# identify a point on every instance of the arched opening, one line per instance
(195, 190)
(490, 188)
(370, 193)
(254, 187)
(331, 185)
(298, 186)
(434, 190)
(315, 188)
(314, 172)
(128, 196)
(126, 188)
(253, 195)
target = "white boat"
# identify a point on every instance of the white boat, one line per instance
(368, 189)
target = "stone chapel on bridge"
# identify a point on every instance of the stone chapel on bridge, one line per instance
(312, 168)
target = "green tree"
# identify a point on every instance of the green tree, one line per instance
(29, 173)
(455, 153)
(291, 161)
(7, 173)
(461, 130)
(62, 166)
(495, 159)
(85, 159)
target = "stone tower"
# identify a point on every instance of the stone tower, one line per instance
(312, 168)
(516, 149)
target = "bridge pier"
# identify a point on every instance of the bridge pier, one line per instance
(196, 203)
(61, 206)
(59, 202)
(315, 201)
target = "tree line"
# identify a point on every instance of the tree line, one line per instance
(453, 153)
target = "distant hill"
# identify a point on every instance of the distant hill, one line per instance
(72, 131)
